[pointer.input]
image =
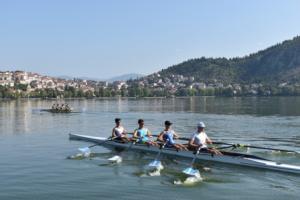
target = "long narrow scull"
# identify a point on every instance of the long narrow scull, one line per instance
(227, 157)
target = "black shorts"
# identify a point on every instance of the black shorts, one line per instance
(204, 150)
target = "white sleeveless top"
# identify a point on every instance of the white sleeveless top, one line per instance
(200, 139)
(119, 131)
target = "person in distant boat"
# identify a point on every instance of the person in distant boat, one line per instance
(199, 139)
(168, 135)
(119, 131)
(142, 134)
(68, 108)
(62, 108)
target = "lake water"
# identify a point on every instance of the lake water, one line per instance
(34, 149)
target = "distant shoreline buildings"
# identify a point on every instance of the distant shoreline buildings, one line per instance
(35, 81)
(28, 82)
(15, 84)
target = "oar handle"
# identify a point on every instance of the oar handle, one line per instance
(164, 144)
(198, 150)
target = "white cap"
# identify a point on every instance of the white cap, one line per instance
(201, 125)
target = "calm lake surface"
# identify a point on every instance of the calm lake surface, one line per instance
(34, 149)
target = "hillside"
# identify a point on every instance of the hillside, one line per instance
(278, 63)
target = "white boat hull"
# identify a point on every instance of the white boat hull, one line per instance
(228, 157)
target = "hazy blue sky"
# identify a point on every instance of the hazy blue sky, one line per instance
(107, 38)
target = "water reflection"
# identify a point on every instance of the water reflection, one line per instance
(34, 145)
(261, 106)
(15, 116)
(19, 116)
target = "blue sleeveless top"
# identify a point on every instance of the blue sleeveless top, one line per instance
(142, 135)
(169, 137)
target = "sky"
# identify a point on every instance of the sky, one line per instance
(107, 38)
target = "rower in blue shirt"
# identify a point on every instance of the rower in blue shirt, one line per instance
(143, 134)
(168, 135)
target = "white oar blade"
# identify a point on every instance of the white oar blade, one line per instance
(155, 163)
(85, 150)
(191, 172)
(115, 159)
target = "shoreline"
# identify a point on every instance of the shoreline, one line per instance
(136, 98)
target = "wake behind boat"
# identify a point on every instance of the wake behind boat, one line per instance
(233, 158)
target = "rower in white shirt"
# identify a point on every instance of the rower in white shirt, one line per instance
(200, 140)
(119, 132)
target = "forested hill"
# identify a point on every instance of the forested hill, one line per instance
(278, 63)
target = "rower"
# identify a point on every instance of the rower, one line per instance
(168, 135)
(119, 132)
(68, 108)
(200, 140)
(57, 107)
(143, 134)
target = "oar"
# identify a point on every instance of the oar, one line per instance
(156, 163)
(191, 171)
(117, 158)
(133, 141)
(256, 147)
(88, 149)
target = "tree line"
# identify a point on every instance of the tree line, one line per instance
(20, 91)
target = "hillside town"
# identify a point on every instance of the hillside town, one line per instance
(35, 81)
(29, 84)
(21, 81)
(179, 85)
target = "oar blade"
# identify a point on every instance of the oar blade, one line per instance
(85, 150)
(191, 172)
(155, 163)
(115, 159)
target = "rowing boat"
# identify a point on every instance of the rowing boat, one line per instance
(56, 110)
(233, 158)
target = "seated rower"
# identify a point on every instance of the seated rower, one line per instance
(168, 135)
(68, 108)
(200, 139)
(143, 134)
(119, 132)
(57, 107)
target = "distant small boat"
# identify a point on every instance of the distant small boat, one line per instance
(57, 110)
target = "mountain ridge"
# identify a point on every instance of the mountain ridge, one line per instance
(278, 63)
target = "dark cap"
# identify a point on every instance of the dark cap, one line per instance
(117, 120)
(140, 121)
(168, 123)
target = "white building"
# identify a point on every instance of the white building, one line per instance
(6, 79)
(21, 77)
